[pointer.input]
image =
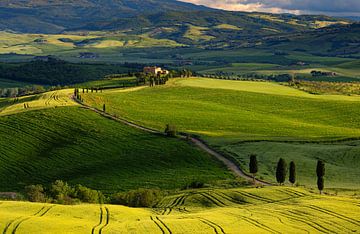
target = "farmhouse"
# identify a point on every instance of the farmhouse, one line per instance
(155, 71)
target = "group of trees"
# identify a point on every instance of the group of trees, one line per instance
(53, 71)
(23, 91)
(61, 192)
(281, 171)
(249, 76)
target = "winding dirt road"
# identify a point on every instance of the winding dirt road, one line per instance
(197, 142)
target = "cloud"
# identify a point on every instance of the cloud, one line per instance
(331, 7)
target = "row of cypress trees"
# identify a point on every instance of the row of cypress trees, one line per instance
(281, 171)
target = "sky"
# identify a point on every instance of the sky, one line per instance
(327, 7)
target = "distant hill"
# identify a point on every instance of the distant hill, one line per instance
(336, 40)
(39, 16)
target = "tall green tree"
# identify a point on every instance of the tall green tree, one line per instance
(253, 165)
(320, 169)
(292, 172)
(104, 108)
(281, 171)
(320, 184)
(320, 172)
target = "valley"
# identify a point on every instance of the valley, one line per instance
(163, 116)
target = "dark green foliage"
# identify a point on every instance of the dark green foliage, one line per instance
(253, 165)
(281, 171)
(195, 184)
(170, 130)
(320, 183)
(88, 195)
(62, 193)
(104, 108)
(35, 193)
(320, 172)
(320, 168)
(58, 72)
(137, 198)
(292, 172)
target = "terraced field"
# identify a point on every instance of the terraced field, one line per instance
(292, 210)
(227, 114)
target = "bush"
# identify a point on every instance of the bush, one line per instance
(137, 198)
(62, 192)
(35, 193)
(195, 185)
(170, 130)
(88, 195)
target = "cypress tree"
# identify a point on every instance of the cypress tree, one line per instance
(253, 165)
(281, 171)
(320, 172)
(320, 168)
(292, 173)
(320, 184)
(104, 108)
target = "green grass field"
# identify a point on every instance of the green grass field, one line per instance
(79, 146)
(231, 110)
(226, 113)
(266, 210)
(342, 160)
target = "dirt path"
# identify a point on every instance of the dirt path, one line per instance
(197, 142)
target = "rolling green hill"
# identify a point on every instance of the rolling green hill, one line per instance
(228, 113)
(55, 16)
(79, 146)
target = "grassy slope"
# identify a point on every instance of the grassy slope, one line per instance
(342, 160)
(79, 146)
(237, 111)
(50, 99)
(205, 211)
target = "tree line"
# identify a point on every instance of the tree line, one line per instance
(282, 170)
(58, 72)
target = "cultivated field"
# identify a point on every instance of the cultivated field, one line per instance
(80, 146)
(228, 114)
(204, 211)
(231, 110)
(53, 99)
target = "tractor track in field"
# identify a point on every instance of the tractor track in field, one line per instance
(161, 225)
(18, 221)
(107, 220)
(258, 224)
(334, 214)
(196, 141)
(100, 221)
(216, 227)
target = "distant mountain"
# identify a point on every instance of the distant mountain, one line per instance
(354, 18)
(337, 40)
(42, 16)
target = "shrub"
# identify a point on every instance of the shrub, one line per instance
(88, 195)
(35, 193)
(62, 192)
(195, 184)
(170, 130)
(137, 198)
